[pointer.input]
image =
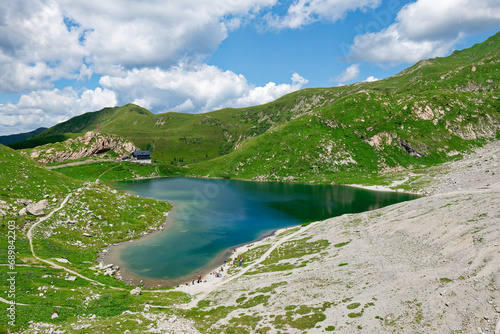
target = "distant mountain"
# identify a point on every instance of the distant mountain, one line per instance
(429, 113)
(9, 139)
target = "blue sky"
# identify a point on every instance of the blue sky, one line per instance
(62, 58)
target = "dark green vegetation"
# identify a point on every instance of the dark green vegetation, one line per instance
(429, 113)
(9, 139)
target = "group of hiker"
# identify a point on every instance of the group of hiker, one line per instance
(218, 273)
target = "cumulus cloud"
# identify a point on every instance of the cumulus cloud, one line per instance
(194, 89)
(371, 78)
(426, 28)
(350, 73)
(36, 47)
(49, 107)
(304, 12)
(44, 41)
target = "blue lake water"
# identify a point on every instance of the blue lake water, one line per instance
(212, 216)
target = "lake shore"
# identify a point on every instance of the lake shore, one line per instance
(209, 280)
(113, 252)
(408, 267)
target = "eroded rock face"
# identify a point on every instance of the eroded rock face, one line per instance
(92, 144)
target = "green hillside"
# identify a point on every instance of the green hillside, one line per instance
(428, 113)
(93, 217)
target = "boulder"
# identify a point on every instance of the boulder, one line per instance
(37, 209)
(137, 291)
(110, 272)
(23, 212)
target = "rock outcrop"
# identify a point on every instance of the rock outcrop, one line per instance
(92, 144)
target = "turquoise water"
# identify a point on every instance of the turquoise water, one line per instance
(210, 217)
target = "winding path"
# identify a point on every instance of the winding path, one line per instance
(209, 288)
(52, 264)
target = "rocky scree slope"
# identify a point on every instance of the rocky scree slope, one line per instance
(427, 265)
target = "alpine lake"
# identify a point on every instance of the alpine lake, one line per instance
(210, 217)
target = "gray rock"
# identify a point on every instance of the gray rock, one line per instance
(137, 291)
(37, 209)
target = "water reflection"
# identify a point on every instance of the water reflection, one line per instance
(211, 216)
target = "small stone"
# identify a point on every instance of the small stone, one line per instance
(447, 304)
(137, 291)
(442, 293)
(497, 309)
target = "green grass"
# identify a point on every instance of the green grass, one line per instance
(111, 171)
(326, 135)
(296, 249)
(303, 317)
(109, 216)
(342, 244)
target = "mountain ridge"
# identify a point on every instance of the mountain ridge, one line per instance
(16, 137)
(426, 114)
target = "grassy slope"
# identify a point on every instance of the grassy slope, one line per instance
(324, 134)
(109, 216)
(331, 143)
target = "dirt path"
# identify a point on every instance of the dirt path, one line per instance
(78, 163)
(206, 289)
(52, 264)
(8, 302)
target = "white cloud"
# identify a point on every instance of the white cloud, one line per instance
(36, 47)
(371, 78)
(268, 93)
(426, 28)
(350, 73)
(44, 41)
(305, 12)
(49, 107)
(199, 88)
